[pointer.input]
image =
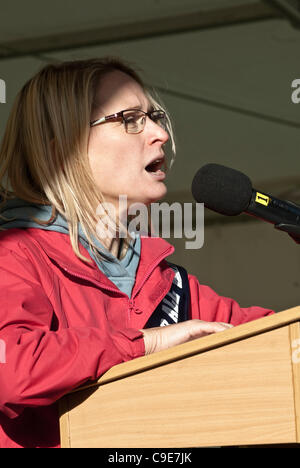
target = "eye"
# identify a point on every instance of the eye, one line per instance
(130, 119)
(132, 116)
(158, 117)
(134, 120)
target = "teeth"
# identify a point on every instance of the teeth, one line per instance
(154, 165)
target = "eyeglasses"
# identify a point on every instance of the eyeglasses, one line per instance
(134, 119)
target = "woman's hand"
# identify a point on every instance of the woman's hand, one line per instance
(160, 338)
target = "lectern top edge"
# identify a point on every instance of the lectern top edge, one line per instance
(198, 346)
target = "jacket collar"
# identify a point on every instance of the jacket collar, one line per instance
(58, 248)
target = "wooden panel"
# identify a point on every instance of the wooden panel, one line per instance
(200, 345)
(239, 394)
(64, 423)
(295, 359)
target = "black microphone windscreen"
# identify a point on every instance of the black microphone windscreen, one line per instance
(221, 189)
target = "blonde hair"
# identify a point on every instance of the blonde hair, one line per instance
(43, 155)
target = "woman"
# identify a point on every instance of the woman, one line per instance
(75, 303)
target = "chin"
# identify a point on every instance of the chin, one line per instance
(151, 196)
(155, 197)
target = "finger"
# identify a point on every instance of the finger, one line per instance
(226, 325)
(200, 328)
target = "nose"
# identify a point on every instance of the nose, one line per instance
(156, 132)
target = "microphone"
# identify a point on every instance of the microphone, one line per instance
(230, 192)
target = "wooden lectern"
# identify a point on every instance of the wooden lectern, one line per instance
(234, 388)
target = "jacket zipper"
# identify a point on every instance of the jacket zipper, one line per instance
(108, 288)
(131, 305)
(157, 261)
(104, 286)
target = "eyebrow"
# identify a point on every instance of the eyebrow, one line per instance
(139, 107)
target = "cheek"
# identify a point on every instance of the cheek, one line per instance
(107, 167)
(99, 154)
(115, 156)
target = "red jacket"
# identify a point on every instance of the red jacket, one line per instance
(63, 322)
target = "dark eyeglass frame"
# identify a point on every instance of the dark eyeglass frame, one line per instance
(155, 115)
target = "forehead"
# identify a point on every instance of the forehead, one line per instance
(117, 91)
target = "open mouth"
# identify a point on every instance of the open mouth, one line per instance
(156, 165)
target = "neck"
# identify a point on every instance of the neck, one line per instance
(117, 247)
